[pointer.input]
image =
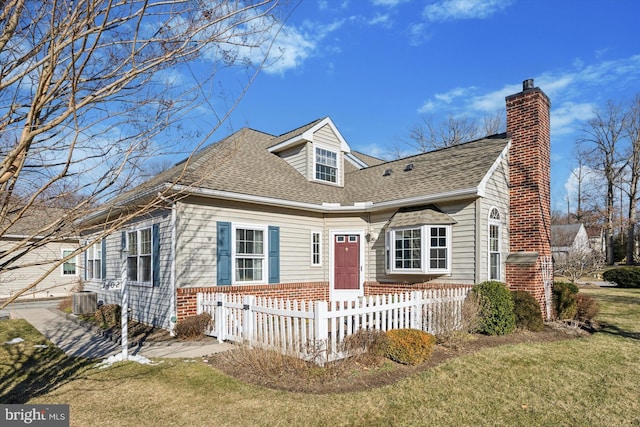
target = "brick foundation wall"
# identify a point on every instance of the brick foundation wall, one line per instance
(186, 298)
(375, 288)
(528, 123)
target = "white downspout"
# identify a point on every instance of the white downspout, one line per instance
(173, 315)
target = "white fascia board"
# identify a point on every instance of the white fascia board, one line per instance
(502, 157)
(331, 207)
(308, 136)
(355, 161)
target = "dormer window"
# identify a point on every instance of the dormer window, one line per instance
(326, 163)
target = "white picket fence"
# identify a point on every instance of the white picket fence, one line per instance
(316, 330)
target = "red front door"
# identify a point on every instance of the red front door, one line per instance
(347, 262)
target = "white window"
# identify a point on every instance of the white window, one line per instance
(424, 249)
(495, 237)
(249, 254)
(139, 256)
(326, 165)
(94, 261)
(316, 248)
(69, 266)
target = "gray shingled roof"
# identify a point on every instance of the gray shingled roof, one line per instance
(564, 234)
(242, 164)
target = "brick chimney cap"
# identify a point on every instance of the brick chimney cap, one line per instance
(527, 84)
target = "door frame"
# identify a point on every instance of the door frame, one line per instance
(348, 294)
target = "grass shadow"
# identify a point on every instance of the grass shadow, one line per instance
(615, 330)
(27, 372)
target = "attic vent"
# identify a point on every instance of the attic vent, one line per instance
(409, 167)
(387, 172)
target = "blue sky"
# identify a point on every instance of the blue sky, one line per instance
(377, 66)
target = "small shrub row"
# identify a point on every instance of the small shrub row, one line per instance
(193, 327)
(624, 277)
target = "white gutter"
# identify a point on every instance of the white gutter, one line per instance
(330, 207)
(357, 207)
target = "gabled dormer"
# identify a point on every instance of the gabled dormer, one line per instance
(317, 151)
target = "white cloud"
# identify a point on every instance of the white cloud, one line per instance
(388, 3)
(379, 19)
(565, 118)
(448, 10)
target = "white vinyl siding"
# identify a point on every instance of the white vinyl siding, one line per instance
(297, 158)
(197, 236)
(149, 304)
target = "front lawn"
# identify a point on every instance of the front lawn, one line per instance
(593, 380)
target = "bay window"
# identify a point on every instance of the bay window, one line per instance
(420, 249)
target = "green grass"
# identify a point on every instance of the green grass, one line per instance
(585, 381)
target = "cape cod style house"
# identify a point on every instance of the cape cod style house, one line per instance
(301, 215)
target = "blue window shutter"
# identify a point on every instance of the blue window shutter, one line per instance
(123, 240)
(155, 260)
(104, 259)
(274, 254)
(223, 253)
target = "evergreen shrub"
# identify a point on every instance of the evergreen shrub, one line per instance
(527, 311)
(497, 315)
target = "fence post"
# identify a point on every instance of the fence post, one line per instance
(321, 331)
(416, 317)
(220, 318)
(199, 298)
(247, 318)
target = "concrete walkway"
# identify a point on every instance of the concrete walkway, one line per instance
(75, 340)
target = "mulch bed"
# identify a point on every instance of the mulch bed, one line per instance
(360, 372)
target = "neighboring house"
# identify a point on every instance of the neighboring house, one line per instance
(38, 258)
(596, 239)
(569, 238)
(302, 216)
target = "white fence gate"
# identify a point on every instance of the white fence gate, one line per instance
(316, 330)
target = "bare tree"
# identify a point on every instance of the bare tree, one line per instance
(89, 91)
(577, 263)
(601, 150)
(427, 136)
(632, 133)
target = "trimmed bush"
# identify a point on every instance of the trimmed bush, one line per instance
(497, 316)
(587, 308)
(109, 315)
(409, 346)
(564, 300)
(527, 311)
(193, 327)
(623, 277)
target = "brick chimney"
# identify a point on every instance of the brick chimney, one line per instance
(529, 264)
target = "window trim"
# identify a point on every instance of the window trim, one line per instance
(76, 271)
(315, 164)
(425, 250)
(264, 257)
(494, 222)
(315, 233)
(139, 255)
(92, 257)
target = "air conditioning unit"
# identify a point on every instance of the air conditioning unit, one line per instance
(85, 302)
